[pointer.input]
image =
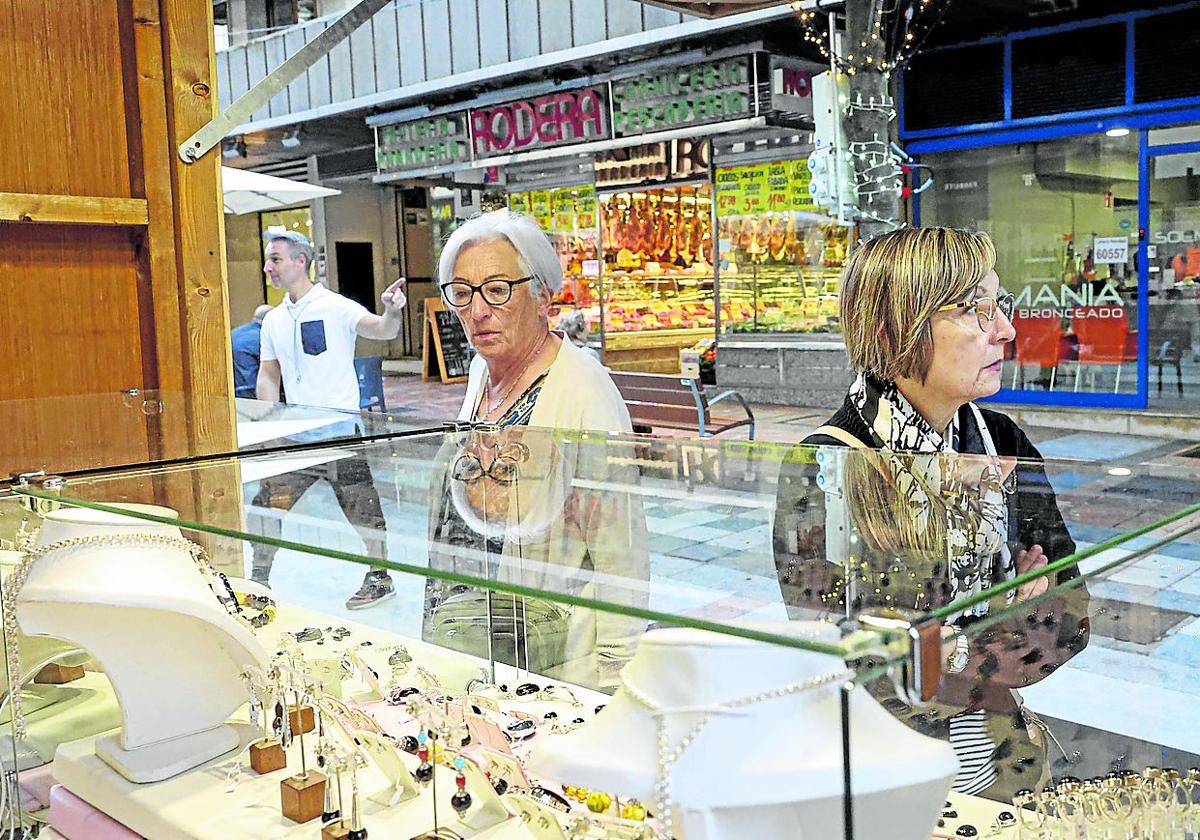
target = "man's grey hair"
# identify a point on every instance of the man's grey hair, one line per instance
(298, 244)
(535, 254)
(261, 312)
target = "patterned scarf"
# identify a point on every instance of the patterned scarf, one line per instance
(976, 510)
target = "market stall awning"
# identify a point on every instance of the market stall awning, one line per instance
(252, 192)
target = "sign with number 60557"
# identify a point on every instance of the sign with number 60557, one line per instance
(1110, 250)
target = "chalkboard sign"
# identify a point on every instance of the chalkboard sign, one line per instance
(445, 353)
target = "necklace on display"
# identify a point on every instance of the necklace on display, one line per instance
(492, 406)
(668, 755)
(15, 581)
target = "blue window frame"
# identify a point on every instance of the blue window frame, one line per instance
(1138, 117)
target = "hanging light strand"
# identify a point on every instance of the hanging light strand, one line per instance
(901, 27)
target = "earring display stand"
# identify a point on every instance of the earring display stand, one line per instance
(267, 756)
(383, 754)
(539, 820)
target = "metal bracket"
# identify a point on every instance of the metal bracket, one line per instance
(196, 146)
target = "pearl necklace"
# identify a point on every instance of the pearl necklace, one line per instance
(525, 367)
(668, 755)
(15, 581)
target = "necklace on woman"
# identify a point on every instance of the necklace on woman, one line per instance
(525, 362)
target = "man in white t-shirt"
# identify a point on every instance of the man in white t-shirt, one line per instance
(308, 347)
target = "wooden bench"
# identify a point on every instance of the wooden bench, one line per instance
(676, 402)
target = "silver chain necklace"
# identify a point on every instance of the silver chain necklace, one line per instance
(20, 573)
(527, 361)
(668, 755)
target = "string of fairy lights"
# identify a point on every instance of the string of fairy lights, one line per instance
(901, 27)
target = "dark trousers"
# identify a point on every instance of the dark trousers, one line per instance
(354, 487)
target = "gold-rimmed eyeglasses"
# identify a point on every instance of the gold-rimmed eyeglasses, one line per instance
(985, 308)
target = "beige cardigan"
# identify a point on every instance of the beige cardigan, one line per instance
(573, 524)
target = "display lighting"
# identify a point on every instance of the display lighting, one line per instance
(902, 27)
(1117, 132)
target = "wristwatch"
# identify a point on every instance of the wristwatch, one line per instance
(956, 662)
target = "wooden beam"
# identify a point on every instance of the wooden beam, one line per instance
(199, 225)
(73, 209)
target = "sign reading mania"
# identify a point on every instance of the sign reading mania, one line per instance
(705, 93)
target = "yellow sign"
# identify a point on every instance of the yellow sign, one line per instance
(563, 203)
(780, 187)
(541, 208)
(801, 178)
(519, 203)
(585, 208)
(727, 191)
(752, 190)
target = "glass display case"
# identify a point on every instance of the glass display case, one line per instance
(585, 635)
(780, 258)
(658, 281)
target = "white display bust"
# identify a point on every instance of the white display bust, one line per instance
(147, 614)
(773, 769)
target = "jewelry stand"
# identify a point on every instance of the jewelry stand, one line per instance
(102, 597)
(540, 821)
(383, 754)
(486, 809)
(773, 768)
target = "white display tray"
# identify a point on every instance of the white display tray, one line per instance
(200, 804)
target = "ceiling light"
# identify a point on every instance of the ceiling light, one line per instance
(291, 137)
(233, 147)
(1120, 471)
(1117, 132)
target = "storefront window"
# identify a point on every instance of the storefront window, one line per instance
(1064, 217)
(658, 281)
(781, 260)
(1173, 278)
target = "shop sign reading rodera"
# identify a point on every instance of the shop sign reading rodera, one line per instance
(557, 119)
(1062, 301)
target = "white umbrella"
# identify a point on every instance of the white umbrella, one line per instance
(250, 192)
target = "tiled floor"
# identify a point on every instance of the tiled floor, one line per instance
(711, 557)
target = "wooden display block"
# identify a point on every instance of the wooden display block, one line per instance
(267, 756)
(303, 798)
(303, 719)
(335, 831)
(55, 674)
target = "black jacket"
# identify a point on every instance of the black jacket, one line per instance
(1028, 645)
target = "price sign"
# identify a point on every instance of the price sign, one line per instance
(752, 184)
(541, 208)
(1110, 250)
(779, 183)
(563, 203)
(519, 203)
(727, 192)
(801, 178)
(585, 207)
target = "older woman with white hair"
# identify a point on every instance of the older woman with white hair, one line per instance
(517, 504)
(499, 272)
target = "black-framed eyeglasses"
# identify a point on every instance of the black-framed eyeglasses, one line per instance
(495, 292)
(504, 469)
(985, 308)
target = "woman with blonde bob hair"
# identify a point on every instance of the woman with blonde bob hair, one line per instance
(936, 499)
